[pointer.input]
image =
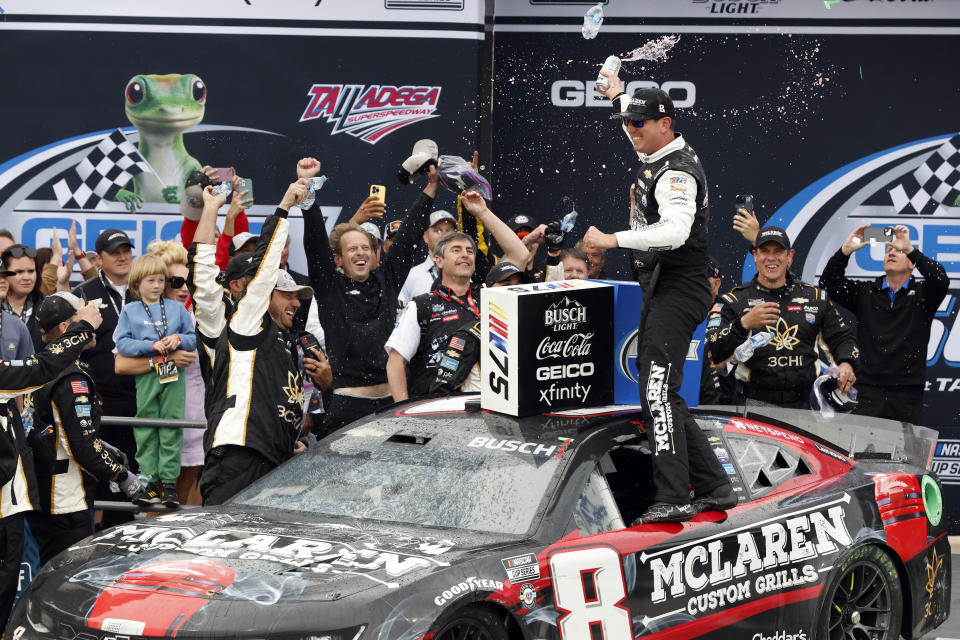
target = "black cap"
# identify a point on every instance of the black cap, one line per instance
(55, 309)
(647, 104)
(504, 270)
(773, 234)
(235, 270)
(111, 239)
(521, 221)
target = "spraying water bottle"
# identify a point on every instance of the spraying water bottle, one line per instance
(315, 184)
(570, 219)
(592, 20)
(745, 351)
(611, 65)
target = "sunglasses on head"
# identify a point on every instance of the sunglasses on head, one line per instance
(19, 252)
(177, 281)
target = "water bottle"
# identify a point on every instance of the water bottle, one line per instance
(611, 65)
(592, 20)
(315, 184)
(745, 351)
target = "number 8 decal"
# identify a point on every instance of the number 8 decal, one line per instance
(588, 588)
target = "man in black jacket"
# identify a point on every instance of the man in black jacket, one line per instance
(18, 490)
(356, 302)
(795, 313)
(894, 313)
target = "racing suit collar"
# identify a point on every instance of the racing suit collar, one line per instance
(675, 145)
(779, 291)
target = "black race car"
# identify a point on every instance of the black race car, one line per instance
(438, 521)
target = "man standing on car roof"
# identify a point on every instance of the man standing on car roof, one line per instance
(668, 235)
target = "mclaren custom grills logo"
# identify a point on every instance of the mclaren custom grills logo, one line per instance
(370, 112)
(776, 556)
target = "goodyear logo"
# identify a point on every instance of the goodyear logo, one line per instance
(370, 112)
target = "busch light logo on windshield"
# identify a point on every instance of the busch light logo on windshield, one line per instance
(370, 112)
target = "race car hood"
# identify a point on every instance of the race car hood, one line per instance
(166, 569)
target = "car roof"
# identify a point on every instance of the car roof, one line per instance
(461, 413)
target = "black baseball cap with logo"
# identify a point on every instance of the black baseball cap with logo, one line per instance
(503, 270)
(56, 308)
(112, 239)
(236, 269)
(773, 234)
(648, 103)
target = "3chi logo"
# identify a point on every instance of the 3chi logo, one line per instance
(785, 336)
(370, 112)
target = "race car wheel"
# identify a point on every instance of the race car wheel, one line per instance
(472, 623)
(864, 600)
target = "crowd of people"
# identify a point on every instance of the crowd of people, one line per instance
(216, 327)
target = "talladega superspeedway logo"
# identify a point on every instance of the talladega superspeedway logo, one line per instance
(915, 185)
(370, 112)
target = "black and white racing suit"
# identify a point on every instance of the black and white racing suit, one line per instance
(257, 407)
(18, 489)
(668, 236)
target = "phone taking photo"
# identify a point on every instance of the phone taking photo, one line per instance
(379, 192)
(745, 202)
(878, 234)
(245, 184)
(222, 174)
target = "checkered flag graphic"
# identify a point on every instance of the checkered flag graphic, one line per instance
(99, 176)
(935, 182)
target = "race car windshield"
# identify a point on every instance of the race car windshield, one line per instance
(411, 471)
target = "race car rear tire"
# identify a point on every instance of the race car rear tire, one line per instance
(864, 599)
(472, 623)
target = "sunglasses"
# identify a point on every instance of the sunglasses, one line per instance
(177, 281)
(636, 123)
(19, 252)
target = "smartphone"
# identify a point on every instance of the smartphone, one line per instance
(245, 184)
(379, 191)
(745, 202)
(878, 234)
(308, 342)
(222, 174)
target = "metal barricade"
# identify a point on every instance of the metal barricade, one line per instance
(162, 423)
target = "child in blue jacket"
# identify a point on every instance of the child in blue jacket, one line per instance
(156, 326)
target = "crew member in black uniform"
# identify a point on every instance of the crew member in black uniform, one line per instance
(669, 233)
(421, 337)
(70, 458)
(257, 409)
(18, 489)
(716, 386)
(795, 313)
(357, 302)
(894, 312)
